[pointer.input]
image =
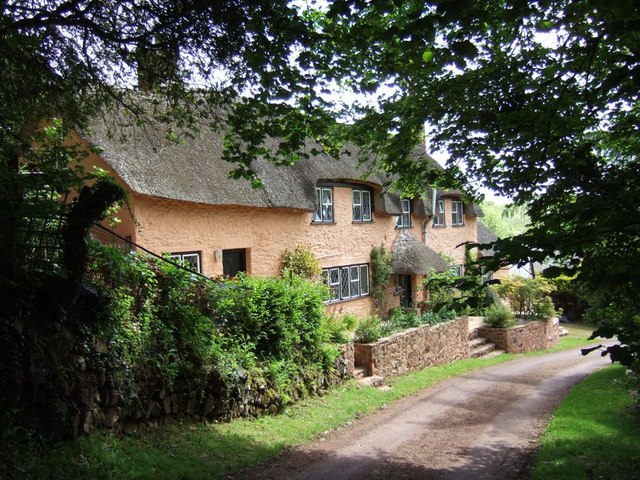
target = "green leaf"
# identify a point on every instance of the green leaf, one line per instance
(545, 26)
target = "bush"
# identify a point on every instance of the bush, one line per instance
(283, 317)
(339, 328)
(401, 319)
(301, 262)
(499, 316)
(166, 324)
(368, 330)
(433, 318)
(528, 297)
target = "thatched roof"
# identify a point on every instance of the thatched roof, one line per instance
(412, 257)
(485, 236)
(194, 170)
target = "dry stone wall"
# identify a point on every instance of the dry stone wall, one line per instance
(415, 349)
(524, 338)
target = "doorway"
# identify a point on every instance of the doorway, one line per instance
(234, 262)
(405, 290)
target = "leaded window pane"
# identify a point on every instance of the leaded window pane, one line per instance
(355, 281)
(334, 284)
(357, 205)
(366, 206)
(317, 216)
(364, 280)
(344, 283)
(192, 261)
(327, 205)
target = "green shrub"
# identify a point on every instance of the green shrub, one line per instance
(528, 297)
(433, 318)
(339, 328)
(499, 316)
(165, 324)
(284, 317)
(402, 319)
(301, 262)
(441, 289)
(368, 330)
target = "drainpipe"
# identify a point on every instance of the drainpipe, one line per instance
(425, 230)
(433, 203)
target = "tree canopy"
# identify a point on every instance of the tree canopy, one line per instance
(535, 100)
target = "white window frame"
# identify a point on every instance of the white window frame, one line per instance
(324, 205)
(347, 282)
(191, 258)
(404, 220)
(457, 213)
(333, 280)
(439, 220)
(361, 203)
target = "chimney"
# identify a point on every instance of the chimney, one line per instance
(157, 63)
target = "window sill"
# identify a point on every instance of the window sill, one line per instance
(333, 302)
(404, 228)
(362, 222)
(439, 226)
(323, 223)
(458, 226)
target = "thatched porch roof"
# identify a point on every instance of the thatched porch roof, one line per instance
(412, 257)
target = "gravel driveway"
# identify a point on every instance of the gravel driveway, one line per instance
(483, 425)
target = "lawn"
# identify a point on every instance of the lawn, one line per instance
(594, 433)
(211, 451)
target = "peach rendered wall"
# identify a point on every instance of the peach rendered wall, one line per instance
(446, 239)
(176, 226)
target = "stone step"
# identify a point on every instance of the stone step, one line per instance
(481, 351)
(478, 342)
(493, 353)
(372, 381)
(359, 372)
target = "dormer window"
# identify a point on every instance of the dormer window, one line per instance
(361, 205)
(404, 220)
(324, 205)
(457, 213)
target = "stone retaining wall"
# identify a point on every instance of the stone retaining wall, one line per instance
(415, 349)
(524, 338)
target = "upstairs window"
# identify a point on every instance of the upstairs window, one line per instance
(361, 206)
(457, 213)
(190, 260)
(324, 205)
(439, 218)
(404, 220)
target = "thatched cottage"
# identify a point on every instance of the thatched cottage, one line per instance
(185, 205)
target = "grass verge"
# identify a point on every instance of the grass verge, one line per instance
(211, 451)
(594, 432)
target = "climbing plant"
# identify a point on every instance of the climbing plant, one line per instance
(301, 262)
(380, 274)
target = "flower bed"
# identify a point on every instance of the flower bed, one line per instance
(531, 336)
(415, 348)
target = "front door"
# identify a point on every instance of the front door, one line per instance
(234, 262)
(405, 290)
